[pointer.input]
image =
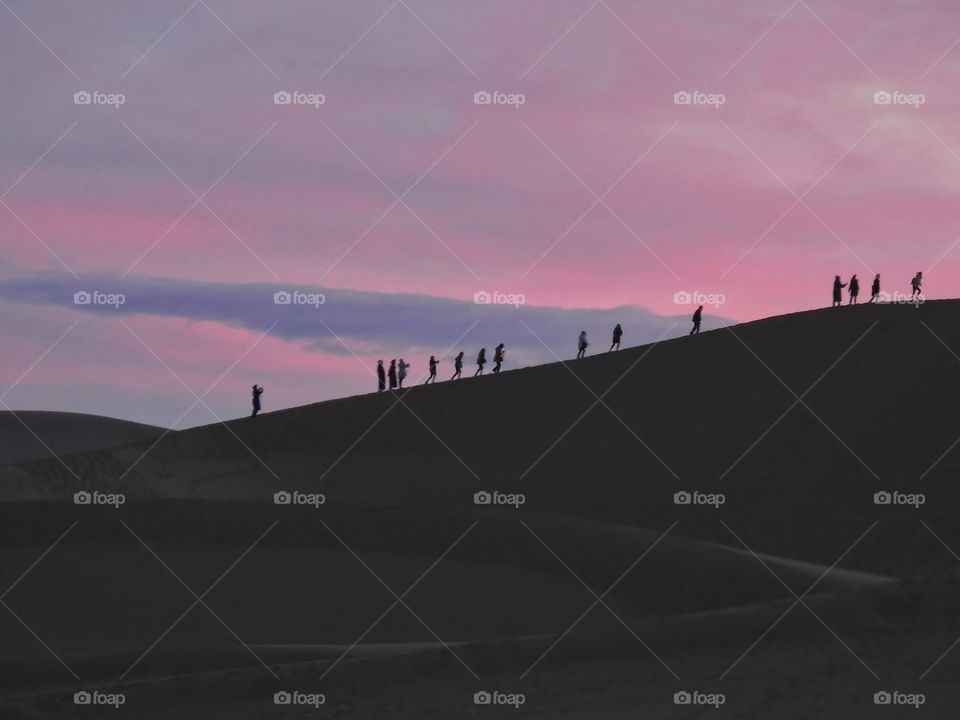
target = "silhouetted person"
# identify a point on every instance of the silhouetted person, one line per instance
(402, 371)
(457, 365)
(875, 290)
(617, 334)
(837, 291)
(582, 344)
(481, 361)
(392, 374)
(697, 316)
(854, 290)
(497, 358)
(433, 370)
(381, 377)
(257, 392)
(916, 283)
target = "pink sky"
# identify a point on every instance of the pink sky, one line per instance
(703, 201)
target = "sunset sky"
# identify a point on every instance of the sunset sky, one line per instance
(596, 200)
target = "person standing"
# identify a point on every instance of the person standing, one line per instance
(392, 374)
(497, 358)
(837, 291)
(433, 371)
(481, 361)
(617, 334)
(457, 365)
(257, 392)
(854, 290)
(916, 283)
(402, 371)
(582, 345)
(697, 316)
(875, 290)
(381, 377)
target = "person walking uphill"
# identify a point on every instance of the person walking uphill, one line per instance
(916, 283)
(481, 361)
(402, 371)
(875, 290)
(457, 365)
(381, 377)
(617, 334)
(497, 358)
(854, 290)
(582, 345)
(392, 374)
(837, 291)
(257, 392)
(433, 371)
(697, 315)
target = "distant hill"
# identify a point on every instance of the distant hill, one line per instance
(63, 433)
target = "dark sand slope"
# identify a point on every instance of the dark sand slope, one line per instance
(32, 435)
(691, 588)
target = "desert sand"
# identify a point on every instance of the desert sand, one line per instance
(599, 596)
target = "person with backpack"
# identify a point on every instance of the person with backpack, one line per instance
(481, 361)
(837, 291)
(854, 290)
(497, 358)
(433, 371)
(582, 345)
(875, 290)
(697, 316)
(916, 283)
(402, 371)
(457, 365)
(617, 334)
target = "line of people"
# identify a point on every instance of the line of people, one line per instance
(853, 291)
